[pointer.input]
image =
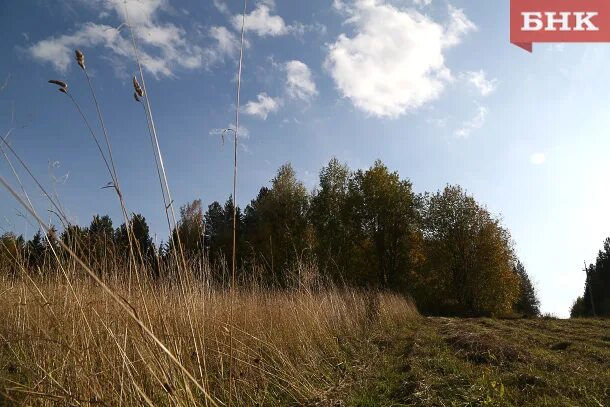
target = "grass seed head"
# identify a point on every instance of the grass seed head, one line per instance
(80, 58)
(63, 86)
(137, 88)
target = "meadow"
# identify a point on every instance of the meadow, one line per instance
(101, 316)
(66, 342)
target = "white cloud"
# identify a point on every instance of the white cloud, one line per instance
(221, 6)
(244, 132)
(299, 82)
(422, 3)
(459, 25)
(438, 122)
(163, 46)
(228, 43)
(261, 22)
(269, 3)
(474, 123)
(299, 86)
(479, 80)
(394, 62)
(58, 51)
(538, 158)
(263, 106)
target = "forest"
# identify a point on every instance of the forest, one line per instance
(595, 301)
(362, 229)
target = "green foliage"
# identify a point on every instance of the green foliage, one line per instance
(330, 219)
(469, 258)
(75, 238)
(35, 251)
(528, 303)
(140, 236)
(189, 232)
(383, 227)
(578, 309)
(219, 230)
(365, 228)
(596, 298)
(277, 225)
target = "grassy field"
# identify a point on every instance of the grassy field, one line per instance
(487, 362)
(70, 345)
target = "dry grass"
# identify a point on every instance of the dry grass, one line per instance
(483, 346)
(72, 344)
(98, 339)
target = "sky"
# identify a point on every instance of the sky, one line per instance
(431, 87)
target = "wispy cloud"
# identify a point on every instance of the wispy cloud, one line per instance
(5, 84)
(479, 80)
(474, 123)
(422, 3)
(263, 106)
(227, 43)
(244, 132)
(164, 46)
(221, 6)
(394, 63)
(459, 25)
(299, 81)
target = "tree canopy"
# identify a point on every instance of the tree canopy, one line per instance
(364, 228)
(595, 300)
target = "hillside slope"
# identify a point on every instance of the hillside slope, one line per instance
(474, 362)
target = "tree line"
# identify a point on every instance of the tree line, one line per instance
(595, 301)
(364, 228)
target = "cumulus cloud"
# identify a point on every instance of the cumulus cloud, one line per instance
(58, 51)
(474, 123)
(264, 106)
(479, 80)
(261, 22)
(394, 62)
(299, 82)
(538, 158)
(164, 46)
(299, 86)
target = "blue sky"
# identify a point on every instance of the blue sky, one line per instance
(431, 87)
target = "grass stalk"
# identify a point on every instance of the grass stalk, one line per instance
(115, 297)
(234, 248)
(165, 190)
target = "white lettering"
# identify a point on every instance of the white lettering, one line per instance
(583, 19)
(551, 20)
(532, 21)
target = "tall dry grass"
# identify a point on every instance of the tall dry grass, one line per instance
(89, 332)
(71, 344)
